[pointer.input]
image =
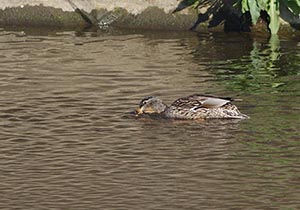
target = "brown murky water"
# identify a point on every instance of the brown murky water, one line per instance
(67, 140)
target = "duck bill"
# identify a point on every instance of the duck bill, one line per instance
(139, 111)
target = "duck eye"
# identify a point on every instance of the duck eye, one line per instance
(142, 103)
(145, 101)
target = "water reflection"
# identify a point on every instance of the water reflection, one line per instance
(259, 67)
(68, 142)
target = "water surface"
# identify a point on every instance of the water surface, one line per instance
(67, 140)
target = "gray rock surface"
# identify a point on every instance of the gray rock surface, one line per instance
(132, 6)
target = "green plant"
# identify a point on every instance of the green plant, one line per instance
(271, 7)
(241, 14)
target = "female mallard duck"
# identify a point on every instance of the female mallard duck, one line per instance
(192, 107)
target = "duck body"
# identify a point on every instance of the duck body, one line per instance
(192, 107)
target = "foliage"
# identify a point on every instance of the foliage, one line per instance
(270, 6)
(241, 14)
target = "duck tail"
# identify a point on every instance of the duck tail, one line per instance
(236, 99)
(245, 116)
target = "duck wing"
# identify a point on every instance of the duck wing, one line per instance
(196, 101)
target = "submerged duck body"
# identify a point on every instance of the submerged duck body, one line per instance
(192, 107)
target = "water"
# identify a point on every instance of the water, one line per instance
(68, 141)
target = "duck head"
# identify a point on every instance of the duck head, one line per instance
(151, 105)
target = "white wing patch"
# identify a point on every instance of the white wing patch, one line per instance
(214, 102)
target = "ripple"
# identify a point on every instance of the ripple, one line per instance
(69, 141)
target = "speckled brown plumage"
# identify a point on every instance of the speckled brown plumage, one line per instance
(195, 106)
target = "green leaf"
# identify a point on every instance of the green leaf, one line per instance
(273, 12)
(293, 5)
(263, 4)
(254, 10)
(245, 7)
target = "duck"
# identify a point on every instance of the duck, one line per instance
(193, 107)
